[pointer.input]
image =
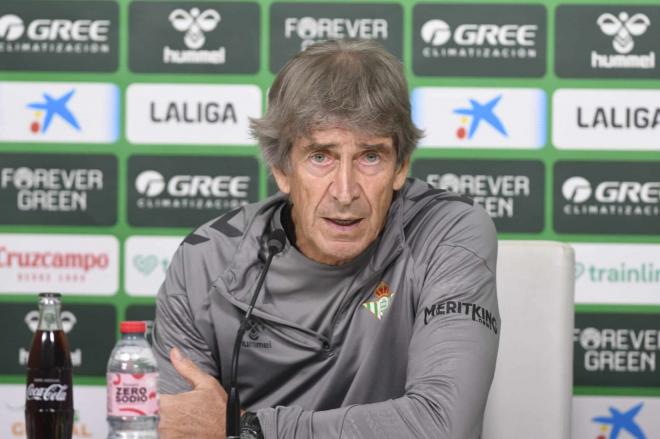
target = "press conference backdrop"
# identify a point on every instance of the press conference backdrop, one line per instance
(123, 125)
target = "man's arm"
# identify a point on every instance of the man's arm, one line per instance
(451, 358)
(175, 327)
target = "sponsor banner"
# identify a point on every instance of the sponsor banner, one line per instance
(611, 417)
(78, 264)
(613, 41)
(616, 350)
(606, 119)
(59, 36)
(194, 37)
(458, 39)
(90, 330)
(191, 113)
(607, 197)
(617, 273)
(186, 191)
(145, 262)
(480, 117)
(72, 112)
(58, 189)
(141, 312)
(294, 26)
(88, 402)
(512, 192)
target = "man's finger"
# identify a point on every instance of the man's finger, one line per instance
(189, 370)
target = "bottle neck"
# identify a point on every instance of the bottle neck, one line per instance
(132, 336)
(49, 315)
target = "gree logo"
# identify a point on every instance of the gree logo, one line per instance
(623, 28)
(438, 32)
(11, 27)
(579, 190)
(576, 189)
(194, 24)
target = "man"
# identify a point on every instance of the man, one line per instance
(378, 319)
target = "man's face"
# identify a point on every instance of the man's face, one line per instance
(341, 185)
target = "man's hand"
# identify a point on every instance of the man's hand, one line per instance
(198, 414)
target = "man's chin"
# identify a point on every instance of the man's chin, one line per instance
(342, 251)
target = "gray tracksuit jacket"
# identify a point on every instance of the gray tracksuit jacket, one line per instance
(399, 343)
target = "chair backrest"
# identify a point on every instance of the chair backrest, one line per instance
(532, 390)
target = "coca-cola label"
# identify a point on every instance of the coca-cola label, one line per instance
(53, 392)
(132, 394)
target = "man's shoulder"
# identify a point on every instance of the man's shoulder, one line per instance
(436, 217)
(218, 240)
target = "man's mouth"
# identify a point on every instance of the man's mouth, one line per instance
(343, 223)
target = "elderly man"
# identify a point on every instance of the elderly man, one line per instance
(378, 319)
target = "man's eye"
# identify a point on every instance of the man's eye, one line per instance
(371, 157)
(318, 157)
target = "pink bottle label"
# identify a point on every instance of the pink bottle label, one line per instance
(132, 394)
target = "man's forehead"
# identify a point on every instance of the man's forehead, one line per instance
(338, 136)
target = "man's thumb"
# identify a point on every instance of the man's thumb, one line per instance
(188, 370)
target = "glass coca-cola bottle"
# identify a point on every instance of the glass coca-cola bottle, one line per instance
(49, 393)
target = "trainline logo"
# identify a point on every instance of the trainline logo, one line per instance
(617, 273)
(146, 262)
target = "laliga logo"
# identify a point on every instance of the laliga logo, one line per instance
(623, 28)
(194, 24)
(11, 27)
(576, 189)
(68, 320)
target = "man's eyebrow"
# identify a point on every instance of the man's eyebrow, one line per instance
(315, 146)
(376, 146)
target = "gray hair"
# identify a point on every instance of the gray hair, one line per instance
(355, 85)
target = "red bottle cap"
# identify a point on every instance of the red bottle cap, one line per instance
(132, 327)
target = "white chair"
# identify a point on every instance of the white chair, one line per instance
(532, 390)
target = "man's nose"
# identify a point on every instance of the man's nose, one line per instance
(345, 187)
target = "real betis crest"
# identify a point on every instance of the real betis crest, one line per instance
(383, 299)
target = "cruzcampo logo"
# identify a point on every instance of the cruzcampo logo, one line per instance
(383, 300)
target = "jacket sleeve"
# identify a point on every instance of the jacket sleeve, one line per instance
(451, 358)
(176, 326)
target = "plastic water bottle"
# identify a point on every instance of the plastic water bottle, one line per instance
(132, 379)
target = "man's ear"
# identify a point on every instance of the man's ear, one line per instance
(400, 175)
(281, 179)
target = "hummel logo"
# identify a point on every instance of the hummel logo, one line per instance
(194, 24)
